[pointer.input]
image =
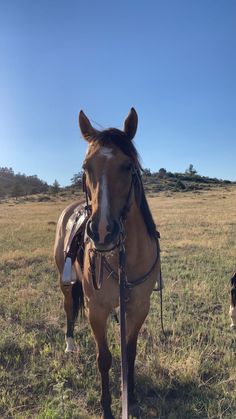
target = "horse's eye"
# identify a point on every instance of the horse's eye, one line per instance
(126, 167)
(86, 167)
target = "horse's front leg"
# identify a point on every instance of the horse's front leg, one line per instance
(98, 319)
(131, 355)
(134, 320)
(73, 301)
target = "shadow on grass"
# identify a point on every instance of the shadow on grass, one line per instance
(166, 397)
(172, 399)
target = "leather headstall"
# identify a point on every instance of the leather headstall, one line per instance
(136, 183)
(138, 191)
(88, 207)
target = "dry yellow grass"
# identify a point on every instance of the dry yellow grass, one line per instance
(189, 375)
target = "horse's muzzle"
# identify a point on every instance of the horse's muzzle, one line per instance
(111, 239)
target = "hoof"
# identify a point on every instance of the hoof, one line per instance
(232, 314)
(108, 415)
(134, 410)
(70, 346)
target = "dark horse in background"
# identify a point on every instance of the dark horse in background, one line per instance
(117, 205)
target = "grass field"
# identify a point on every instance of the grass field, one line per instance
(191, 374)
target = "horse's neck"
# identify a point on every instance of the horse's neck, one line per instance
(140, 247)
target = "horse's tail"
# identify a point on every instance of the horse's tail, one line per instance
(78, 299)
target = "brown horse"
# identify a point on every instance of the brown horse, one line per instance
(117, 205)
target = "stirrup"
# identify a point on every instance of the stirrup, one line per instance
(67, 272)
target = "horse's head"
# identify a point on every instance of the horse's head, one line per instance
(110, 165)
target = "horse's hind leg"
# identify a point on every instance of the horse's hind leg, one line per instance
(73, 297)
(98, 319)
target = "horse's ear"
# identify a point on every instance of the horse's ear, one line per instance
(86, 128)
(131, 123)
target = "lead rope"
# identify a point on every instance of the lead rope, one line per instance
(161, 306)
(124, 366)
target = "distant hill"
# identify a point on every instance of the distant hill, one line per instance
(188, 181)
(163, 180)
(16, 185)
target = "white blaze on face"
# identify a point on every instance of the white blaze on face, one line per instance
(106, 153)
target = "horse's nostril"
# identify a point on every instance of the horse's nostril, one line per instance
(114, 230)
(111, 226)
(93, 227)
(91, 230)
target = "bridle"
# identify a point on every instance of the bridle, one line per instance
(135, 180)
(100, 255)
(94, 254)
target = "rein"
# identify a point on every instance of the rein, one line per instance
(124, 365)
(103, 263)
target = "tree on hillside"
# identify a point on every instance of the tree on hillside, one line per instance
(5, 171)
(162, 173)
(27, 185)
(2, 192)
(147, 172)
(17, 190)
(179, 185)
(55, 188)
(77, 179)
(190, 170)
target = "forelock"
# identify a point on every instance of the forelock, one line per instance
(114, 136)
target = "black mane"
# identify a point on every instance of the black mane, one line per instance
(120, 140)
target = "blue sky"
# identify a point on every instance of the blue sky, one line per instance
(173, 60)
